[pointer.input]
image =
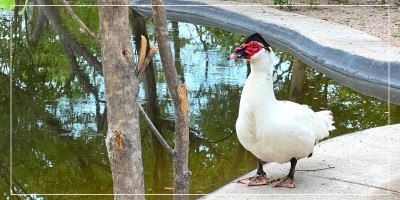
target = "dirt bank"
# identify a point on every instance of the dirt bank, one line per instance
(366, 15)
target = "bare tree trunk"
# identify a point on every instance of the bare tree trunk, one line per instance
(178, 92)
(138, 24)
(296, 86)
(123, 135)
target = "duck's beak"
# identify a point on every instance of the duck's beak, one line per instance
(233, 57)
(236, 56)
(239, 53)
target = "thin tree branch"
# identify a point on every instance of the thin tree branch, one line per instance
(81, 24)
(279, 76)
(155, 131)
(196, 132)
(195, 140)
(222, 139)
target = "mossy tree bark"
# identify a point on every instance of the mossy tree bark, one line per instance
(122, 86)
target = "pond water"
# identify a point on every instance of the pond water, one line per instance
(58, 107)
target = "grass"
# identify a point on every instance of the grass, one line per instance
(313, 5)
(342, 1)
(361, 21)
(397, 31)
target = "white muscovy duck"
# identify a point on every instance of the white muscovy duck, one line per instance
(273, 130)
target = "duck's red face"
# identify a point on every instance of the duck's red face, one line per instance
(246, 51)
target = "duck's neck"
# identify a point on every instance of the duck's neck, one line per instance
(260, 81)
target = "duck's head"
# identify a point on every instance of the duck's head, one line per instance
(254, 48)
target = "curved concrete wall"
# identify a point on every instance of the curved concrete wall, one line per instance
(353, 58)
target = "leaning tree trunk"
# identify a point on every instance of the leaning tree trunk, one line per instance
(296, 86)
(123, 135)
(178, 92)
(160, 174)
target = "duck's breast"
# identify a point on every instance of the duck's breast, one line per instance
(274, 133)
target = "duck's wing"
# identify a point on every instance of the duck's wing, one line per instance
(303, 118)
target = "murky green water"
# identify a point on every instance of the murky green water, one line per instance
(58, 106)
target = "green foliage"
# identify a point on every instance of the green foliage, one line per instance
(313, 5)
(283, 2)
(342, 1)
(384, 12)
(10, 4)
(397, 31)
(280, 2)
(23, 8)
(7, 4)
(361, 21)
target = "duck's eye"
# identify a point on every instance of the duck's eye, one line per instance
(255, 46)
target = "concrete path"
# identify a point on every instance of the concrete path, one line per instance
(361, 165)
(352, 57)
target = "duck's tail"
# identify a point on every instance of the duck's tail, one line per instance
(326, 123)
(327, 118)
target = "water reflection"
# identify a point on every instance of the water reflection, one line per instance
(59, 110)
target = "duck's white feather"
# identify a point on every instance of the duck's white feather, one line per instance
(276, 131)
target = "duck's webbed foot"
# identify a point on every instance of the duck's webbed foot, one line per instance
(254, 180)
(259, 179)
(283, 182)
(287, 181)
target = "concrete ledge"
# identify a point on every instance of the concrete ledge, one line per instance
(361, 165)
(352, 57)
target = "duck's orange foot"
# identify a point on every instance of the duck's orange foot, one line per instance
(254, 180)
(283, 182)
